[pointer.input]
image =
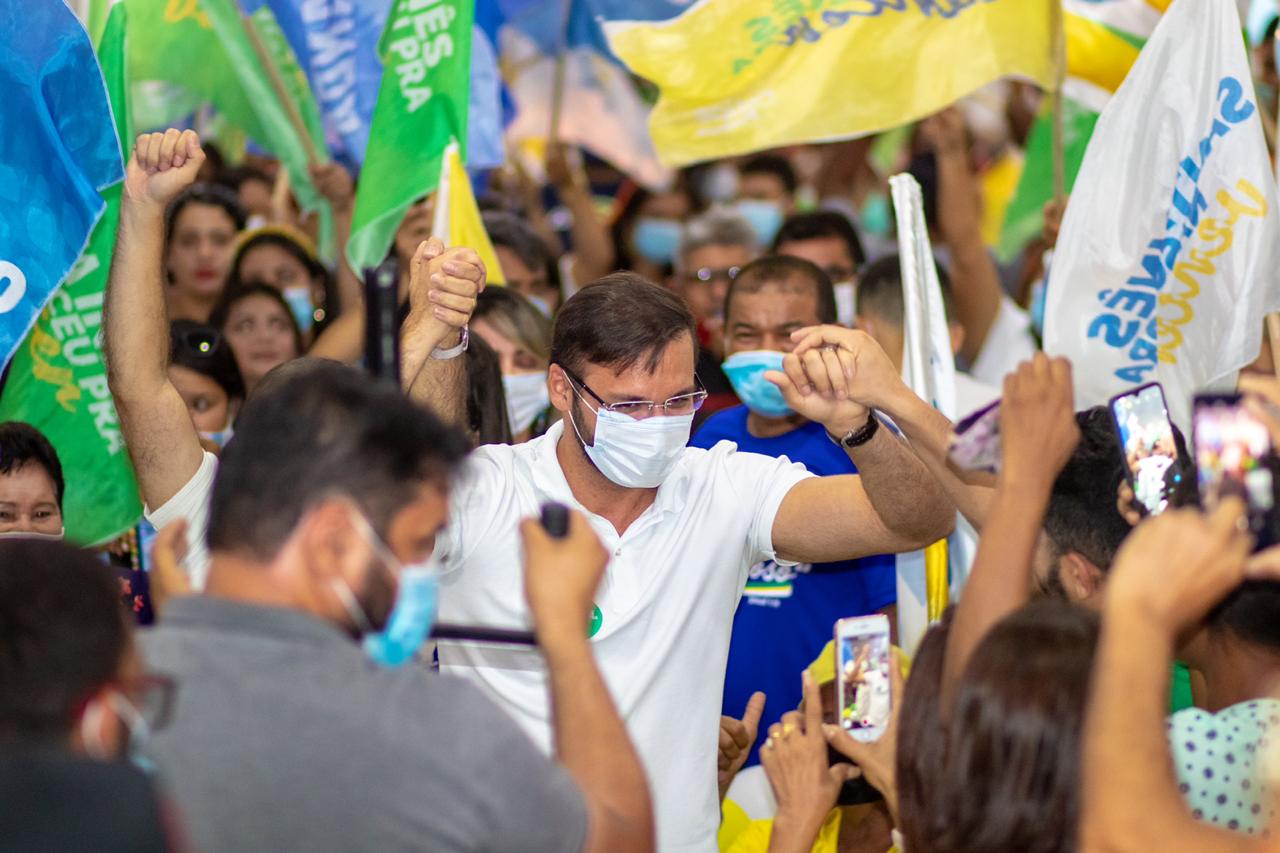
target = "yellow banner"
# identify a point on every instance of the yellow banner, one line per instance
(1095, 54)
(457, 219)
(745, 75)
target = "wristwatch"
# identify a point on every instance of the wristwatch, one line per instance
(453, 351)
(860, 436)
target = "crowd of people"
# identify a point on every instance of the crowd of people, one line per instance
(710, 379)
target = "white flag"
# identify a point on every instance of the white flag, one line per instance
(1170, 250)
(928, 368)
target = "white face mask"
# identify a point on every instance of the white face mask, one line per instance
(527, 397)
(637, 454)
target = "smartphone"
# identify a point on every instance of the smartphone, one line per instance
(975, 442)
(1146, 442)
(1235, 456)
(862, 675)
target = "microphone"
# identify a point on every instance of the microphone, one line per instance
(555, 521)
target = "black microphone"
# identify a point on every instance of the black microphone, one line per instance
(382, 327)
(555, 520)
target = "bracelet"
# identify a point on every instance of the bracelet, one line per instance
(453, 351)
(860, 436)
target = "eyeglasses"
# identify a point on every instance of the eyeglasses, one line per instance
(707, 275)
(681, 404)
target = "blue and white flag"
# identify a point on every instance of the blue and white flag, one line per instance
(1169, 255)
(58, 151)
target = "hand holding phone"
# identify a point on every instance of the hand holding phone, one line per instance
(863, 684)
(1235, 457)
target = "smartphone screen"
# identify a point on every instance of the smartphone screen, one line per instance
(1234, 456)
(862, 671)
(1146, 440)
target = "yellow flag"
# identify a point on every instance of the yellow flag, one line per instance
(745, 75)
(456, 218)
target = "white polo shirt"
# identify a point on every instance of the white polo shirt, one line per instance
(666, 602)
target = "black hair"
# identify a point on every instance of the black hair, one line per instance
(214, 195)
(231, 296)
(786, 273)
(202, 349)
(63, 636)
(1011, 779)
(236, 177)
(631, 200)
(772, 164)
(310, 263)
(486, 398)
(317, 430)
(1251, 613)
(509, 230)
(880, 290)
(819, 224)
(922, 743)
(619, 321)
(21, 443)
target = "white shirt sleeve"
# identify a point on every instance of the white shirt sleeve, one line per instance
(1009, 343)
(763, 482)
(192, 504)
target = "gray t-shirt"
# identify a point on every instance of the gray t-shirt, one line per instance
(284, 736)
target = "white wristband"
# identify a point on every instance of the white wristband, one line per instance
(453, 351)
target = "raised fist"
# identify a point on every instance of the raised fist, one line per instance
(162, 165)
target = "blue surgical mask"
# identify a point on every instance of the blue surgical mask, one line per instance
(876, 217)
(746, 374)
(300, 305)
(411, 618)
(656, 240)
(765, 218)
(220, 437)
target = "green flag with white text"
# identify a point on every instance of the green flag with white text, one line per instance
(58, 380)
(422, 105)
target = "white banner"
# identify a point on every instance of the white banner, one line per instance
(1170, 249)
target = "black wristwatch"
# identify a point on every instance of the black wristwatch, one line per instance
(860, 436)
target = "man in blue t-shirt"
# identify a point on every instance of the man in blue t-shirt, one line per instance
(787, 613)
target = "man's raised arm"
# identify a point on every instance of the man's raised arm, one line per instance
(162, 441)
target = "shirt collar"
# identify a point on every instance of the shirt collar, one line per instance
(551, 484)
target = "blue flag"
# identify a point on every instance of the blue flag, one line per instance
(58, 151)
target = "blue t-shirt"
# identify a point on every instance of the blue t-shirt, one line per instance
(788, 614)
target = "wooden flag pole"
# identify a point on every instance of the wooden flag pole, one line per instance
(282, 92)
(1058, 44)
(557, 81)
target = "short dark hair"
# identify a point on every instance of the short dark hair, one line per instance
(880, 290)
(1251, 613)
(772, 164)
(922, 740)
(214, 195)
(507, 229)
(21, 443)
(785, 273)
(1011, 779)
(486, 398)
(320, 429)
(202, 349)
(820, 224)
(618, 321)
(63, 636)
(236, 177)
(233, 295)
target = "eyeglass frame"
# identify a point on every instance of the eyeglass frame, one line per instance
(699, 397)
(708, 275)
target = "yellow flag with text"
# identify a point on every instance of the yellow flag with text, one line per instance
(744, 75)
(456, 217)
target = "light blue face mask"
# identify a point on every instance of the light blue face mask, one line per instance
(875, 216)
(656, 240)
(220, 437)
(411, 618)
(300, 305)
(746, 374)
(765, 218)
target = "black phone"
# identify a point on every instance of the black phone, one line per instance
(1235, 456)
(1147, 446)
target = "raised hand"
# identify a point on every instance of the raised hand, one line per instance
(443, 286)
(334, 183)
(878, 759)
(736, 738)
(561, 577)
(162, 165)
(834, 376)
(1038, 430)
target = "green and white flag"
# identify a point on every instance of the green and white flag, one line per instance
(422, 105)
(58, 379)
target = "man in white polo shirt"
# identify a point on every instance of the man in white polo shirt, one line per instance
(683, 525)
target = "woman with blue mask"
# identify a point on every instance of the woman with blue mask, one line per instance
(286, 259)
(203, 369)
(646, 230)
(766, 194)
(521, 337)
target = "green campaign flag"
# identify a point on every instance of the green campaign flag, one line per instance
(1024, 218)
(58, 380)
(422, 105)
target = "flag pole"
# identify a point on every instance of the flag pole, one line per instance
(282, 92)
(557, 81)
(1058, 45)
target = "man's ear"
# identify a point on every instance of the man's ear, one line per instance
(328, 541)
(1082, 579)
(559, 388)
(957, 337)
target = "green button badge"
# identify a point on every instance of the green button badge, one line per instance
(597, 619)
